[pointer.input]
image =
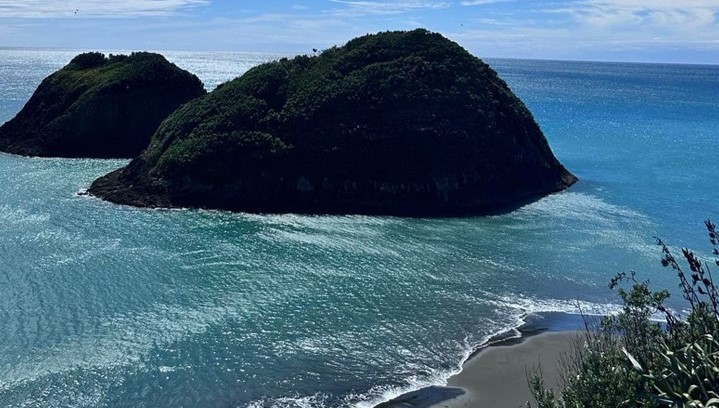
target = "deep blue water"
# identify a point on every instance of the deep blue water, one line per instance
(111, 306)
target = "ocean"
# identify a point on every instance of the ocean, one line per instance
(111, 306)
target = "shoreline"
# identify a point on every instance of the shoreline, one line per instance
(497, 368)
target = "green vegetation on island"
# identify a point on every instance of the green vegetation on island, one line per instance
(405, 123)
(99, 107)
(631, 360)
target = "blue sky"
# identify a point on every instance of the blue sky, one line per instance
(614, 30)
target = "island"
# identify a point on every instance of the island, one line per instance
(99, 107)
(396, 123)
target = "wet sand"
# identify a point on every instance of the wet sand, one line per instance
(497, 377)
(496, 374)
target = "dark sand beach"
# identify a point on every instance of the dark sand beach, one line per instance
(495, 376)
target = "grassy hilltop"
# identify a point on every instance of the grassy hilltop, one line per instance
(99, 106)
(394, 123)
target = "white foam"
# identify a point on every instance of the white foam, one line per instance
(15, 216)
(523, 307)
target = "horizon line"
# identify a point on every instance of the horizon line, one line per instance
(293, 54)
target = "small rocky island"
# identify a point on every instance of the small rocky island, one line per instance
(99, 107)
(403, 123)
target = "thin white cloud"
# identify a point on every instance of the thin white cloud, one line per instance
(362, 8)
(643, 24)
(669, 14)
(468, 3)
(93, 8)
(640, 30)
(666, 30)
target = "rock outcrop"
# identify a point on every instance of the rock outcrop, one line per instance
(404, 123)
(99, 107)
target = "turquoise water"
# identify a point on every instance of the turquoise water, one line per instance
(111, 306)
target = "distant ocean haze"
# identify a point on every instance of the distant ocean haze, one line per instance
(106, 305)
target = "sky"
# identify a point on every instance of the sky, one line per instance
(674, 31)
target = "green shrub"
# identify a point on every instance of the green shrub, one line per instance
(632, 361)
(88, 60)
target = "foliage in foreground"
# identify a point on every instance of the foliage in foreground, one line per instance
(629, 360)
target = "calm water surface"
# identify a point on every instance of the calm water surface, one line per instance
(112, 306)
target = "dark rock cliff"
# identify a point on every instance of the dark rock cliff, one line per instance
(405, 123)
(99, 107)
